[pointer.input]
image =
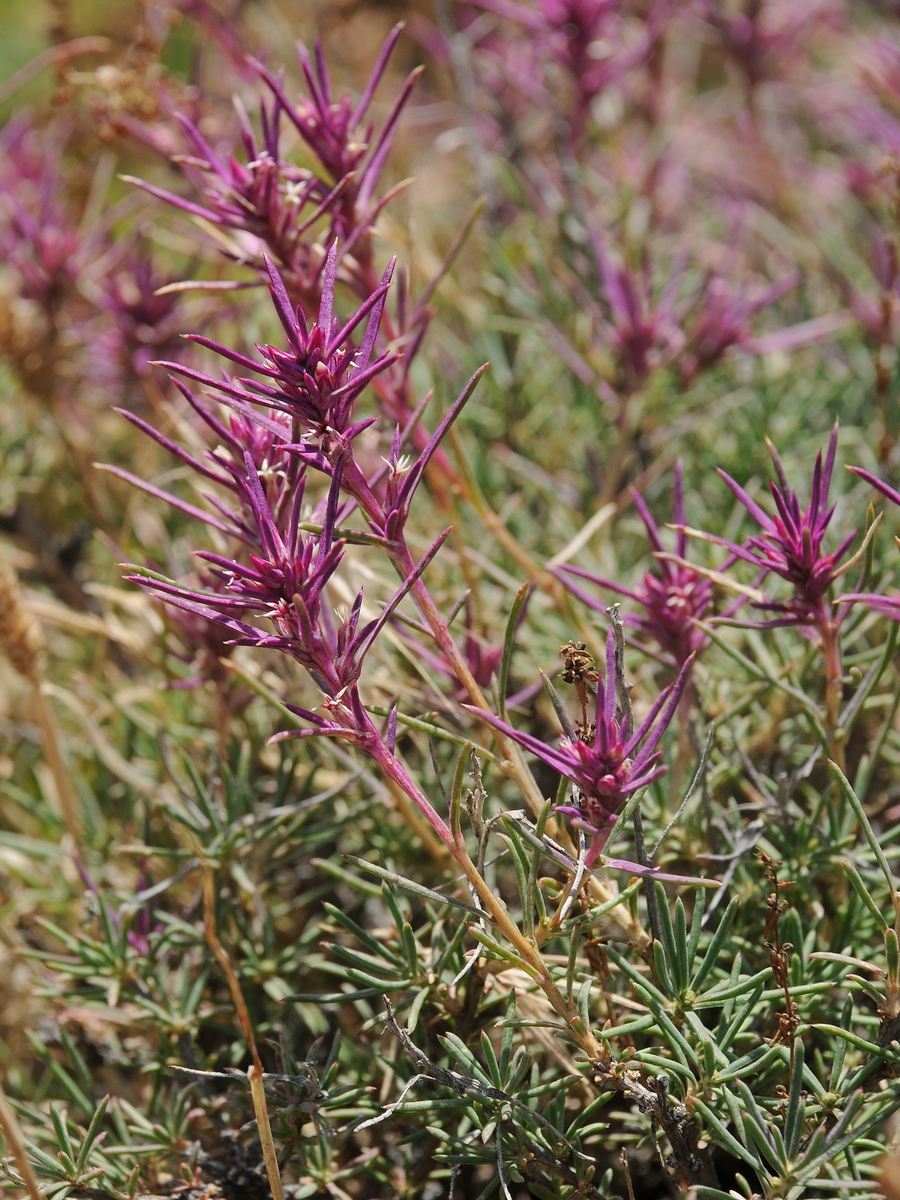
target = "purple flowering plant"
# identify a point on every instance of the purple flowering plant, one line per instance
(274, 203)
(334, 907)
(604, 760)
(276, 207)
(791, 547)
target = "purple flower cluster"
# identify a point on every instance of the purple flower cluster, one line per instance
(604, 761)
(790, 544)
(298, 419)
(94, 300)
(320, 374)
(275, 204)
(39, 237)
(589, 41)
(669, 604)
(275, 209)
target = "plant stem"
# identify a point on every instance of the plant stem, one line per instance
(255, 1071)
(62, 777)
(523, 945)
(831, 652)
(15, 1143)
(512, 763)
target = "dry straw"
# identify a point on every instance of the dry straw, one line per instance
(22, 642)
(20, 635)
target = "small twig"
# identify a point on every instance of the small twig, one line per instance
(575, 881)
(503, 1185)
(255, 1074)
(15, 1142)
(266, 1141)
(464, 1085)
(22, 641)
(686, 1164)
(695, 783)
(623, 688)
(626, 1167)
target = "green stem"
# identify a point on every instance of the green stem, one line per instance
(831, 652)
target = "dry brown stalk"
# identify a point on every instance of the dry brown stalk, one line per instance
(15, 1144)
(23, 643)
(20, 634)
(255, 1071)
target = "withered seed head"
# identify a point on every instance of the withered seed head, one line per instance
(20, 635)
(578, 663)
(586, 731)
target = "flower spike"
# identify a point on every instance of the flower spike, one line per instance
(604, 764)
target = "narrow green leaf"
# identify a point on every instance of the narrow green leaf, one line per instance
(702, 1192)
(499, 951)
(415, 1009)
(377, 948)
(868, 832)
(363, 962)
(51, 1165)
(637, 1026)
(457, 788)
(82, 1071)
(715, 996)
(383, 986)
(464, 1058)
(752, 1063)
(572, 964)
(63, 1140)
(408, 885)
(93, 1132)
(509, 639)
(711, 958)
(583, 1002)
(333, 997)
(872, 757)
(74, 1092)
(392, 900)
(768, 1143)
(435, 731)
(562, 713)
(674, 1038)
(634, 975)
(506, 1044)
(804, 702)
(853, 1039)
(740, 1017)
(682, 955)
(521, 862)
(535, 896)
(662, 969)
(840, 1050)
(794, 1117)
(856, 881)
(339, 872)
(725, 1138)
(490, 1058)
